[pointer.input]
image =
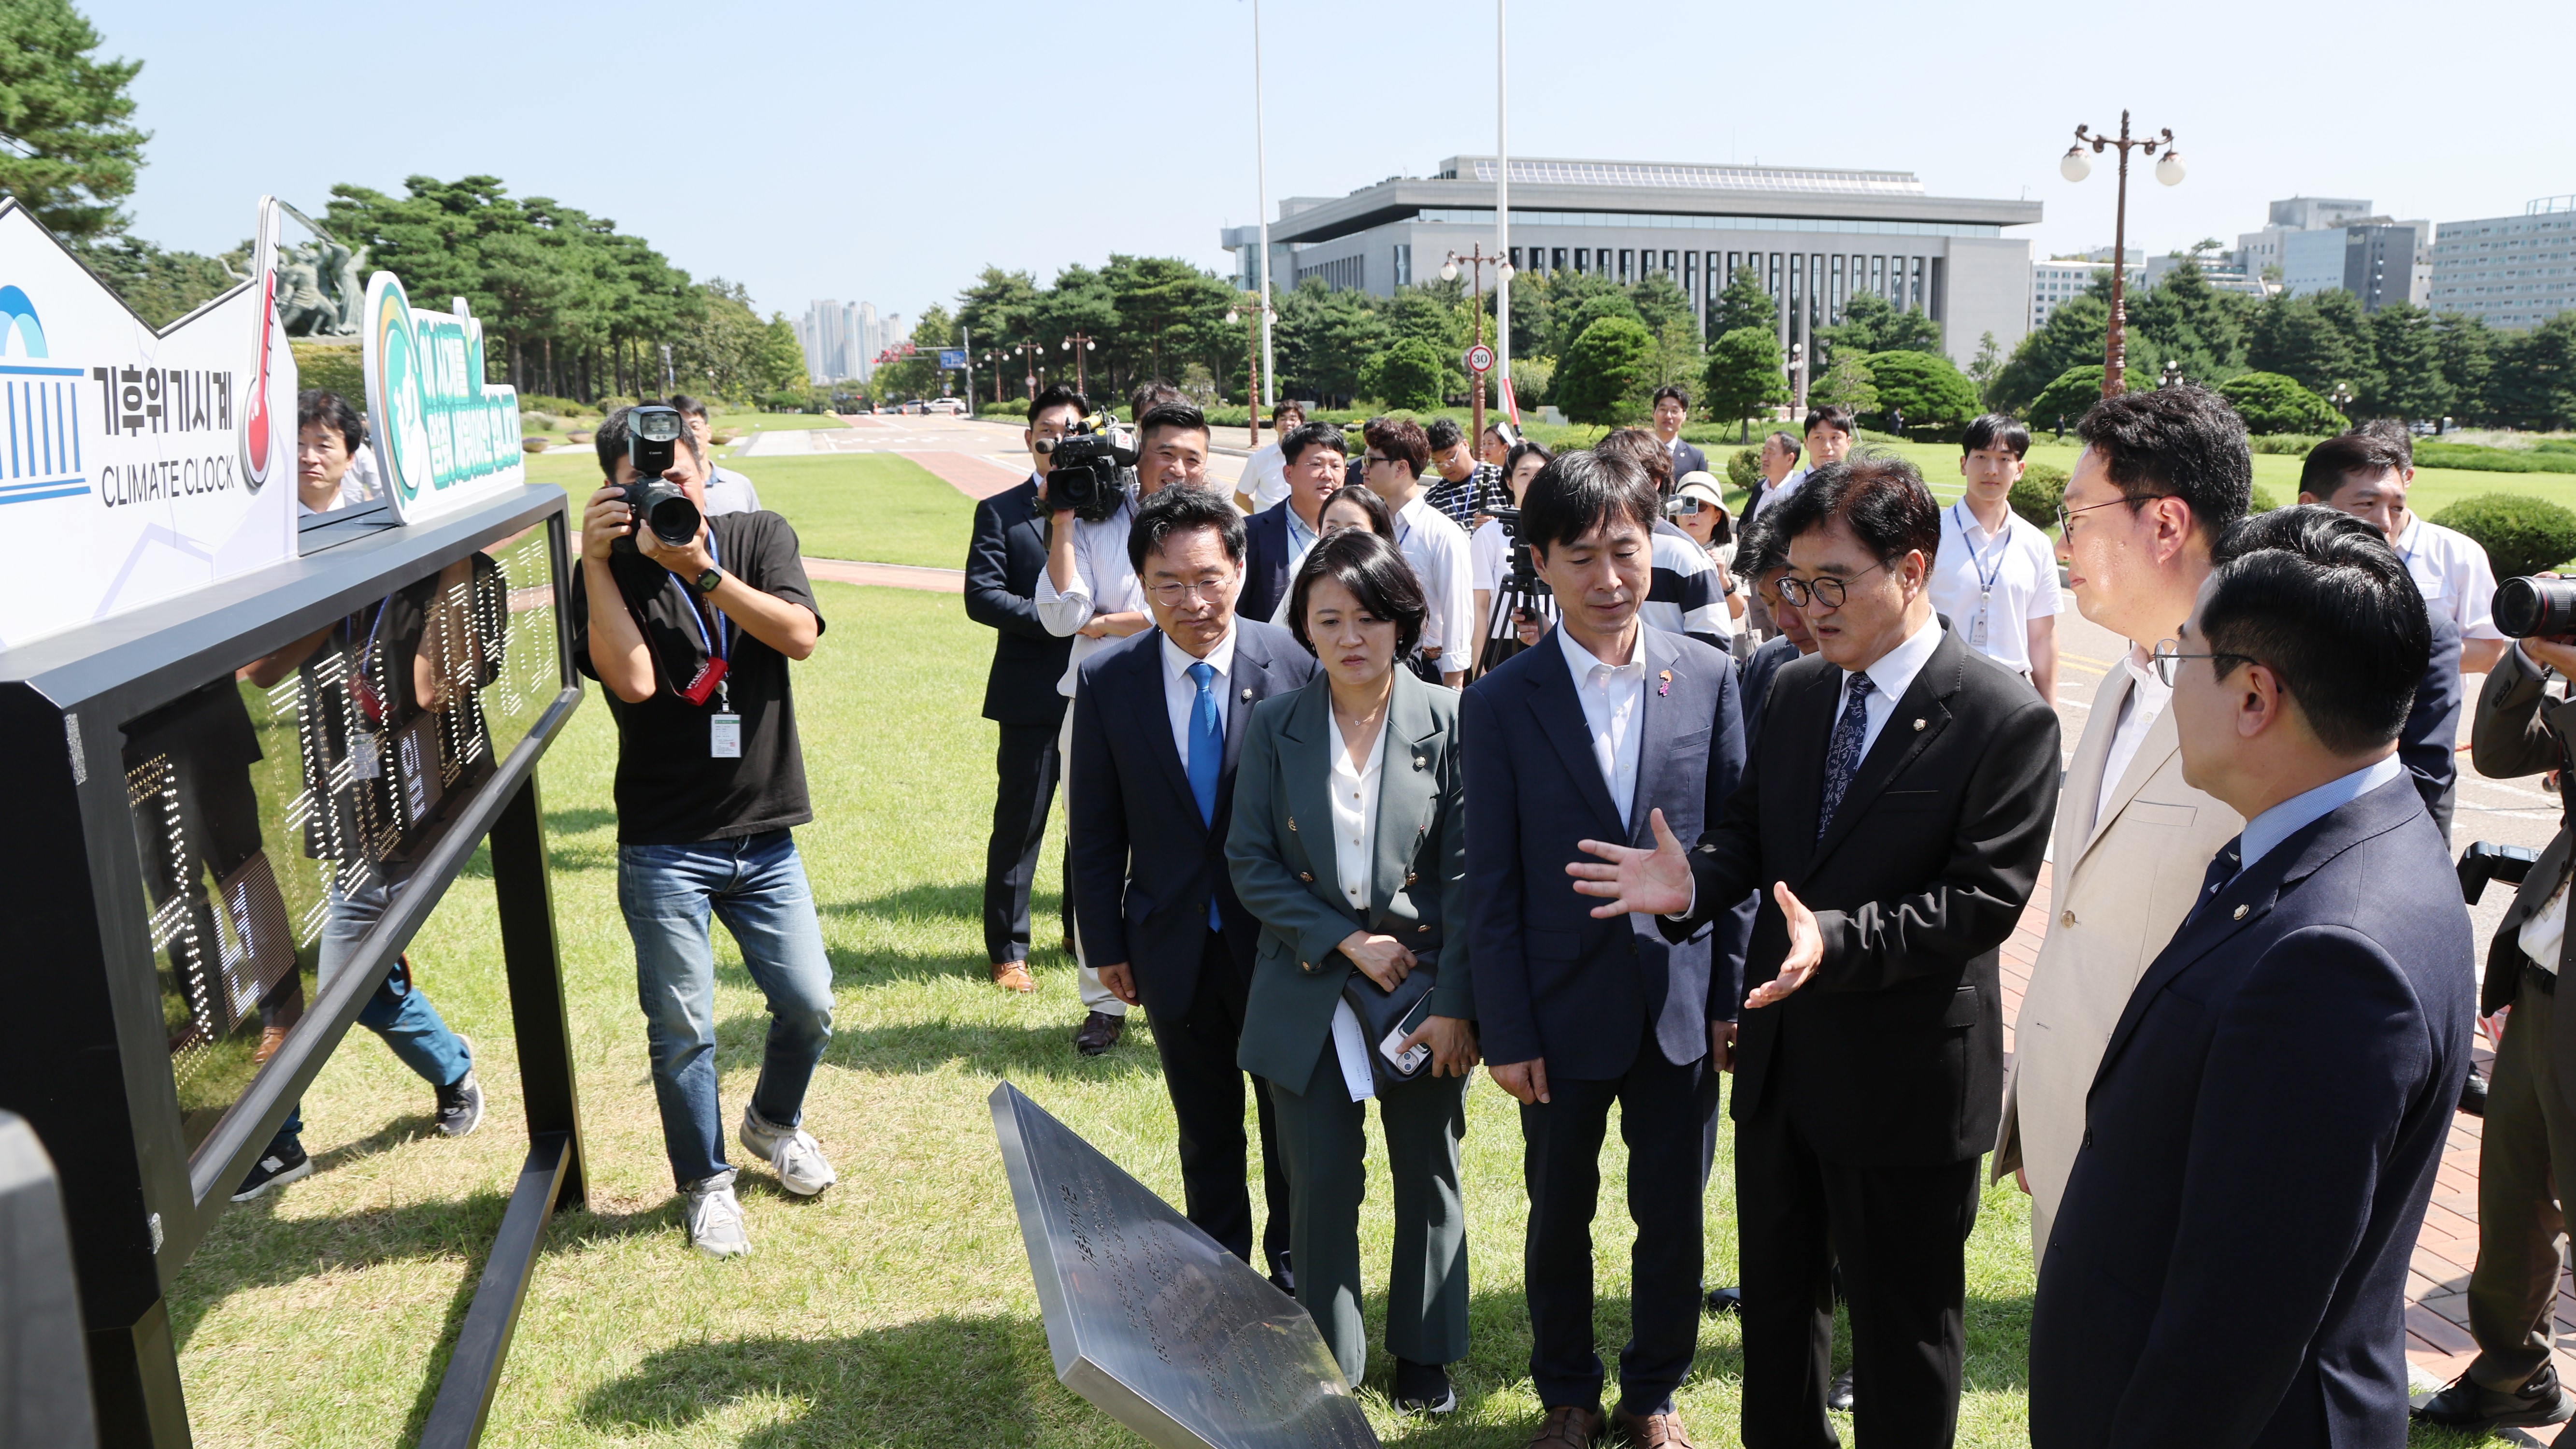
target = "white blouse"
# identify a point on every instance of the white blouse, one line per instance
(1354, 837)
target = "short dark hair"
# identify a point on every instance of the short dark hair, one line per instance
(2340, 459)
(1669, 390)
(1381, 518)
(1757, 549)
(688, 406)
(2394, 433)
(1150, 394)
(1834, 416)
(1311, 435)
(1182, 508)
(1376, 574)
(610, 442)
(1443, 434)
(1996, 430)
(1057, 395)
(2180, 442)
(329, 409)
(1584, 490)
(1643, 449)
(1882, 500)
(1160, 416)
(1399, 438)
(1285, 406)
(2320, 599)
(1795, 446)
(1525, 448)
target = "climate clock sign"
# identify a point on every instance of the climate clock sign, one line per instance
(444, 437)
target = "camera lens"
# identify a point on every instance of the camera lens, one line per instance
(2529, 608)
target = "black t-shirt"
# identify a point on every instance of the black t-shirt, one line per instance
(671, 790)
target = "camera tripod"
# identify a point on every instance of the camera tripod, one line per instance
(1520, 590)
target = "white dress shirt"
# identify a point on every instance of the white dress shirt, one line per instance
(2139, 711)
(2269, 829)
(1104, 582)
(1613, 698)
(2544, 931)
(730, 492)
(2004, 580)
(1889, 678)
(2452, 573)
(1490, 555)
(1779, 490)
(1437, 548)
(1354, 868)
(1265, 477)
(1301, 541)
(1181, 693)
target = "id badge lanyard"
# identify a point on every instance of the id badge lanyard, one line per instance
(365, 762)
(724, 741)
(1985, 577)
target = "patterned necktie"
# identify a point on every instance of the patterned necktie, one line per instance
(1207, 755)
(2222, 869)
(1842, 757)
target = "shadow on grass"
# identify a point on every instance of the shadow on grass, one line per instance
(957, 905)
(999, 1050)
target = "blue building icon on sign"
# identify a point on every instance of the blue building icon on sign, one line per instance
(40, 424)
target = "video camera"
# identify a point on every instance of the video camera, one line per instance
(2535, 608)
(1092, 467)
(652, 445)
(1522, 575)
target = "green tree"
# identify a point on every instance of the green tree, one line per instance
(1847, 383)
(2535, 377)
(1406, 375)
(2320, 339)
(1533, 306)
(1744, 376)
(1599, 306)
(2411, 384)
(2072, 337)
(1434, 314)
(1988, 362)
(2193, 323)
(1169, 314)
(1603, 377)
(2067, 397)
(2467, 351)
(1322, 337)
(2272, 403)
(917, 376)
(1743, 304)
(1569, 296)
(1926, 386)
(161, 286)
(1871, 324)
(1003, 307)
(67, 149)
(1660, 303)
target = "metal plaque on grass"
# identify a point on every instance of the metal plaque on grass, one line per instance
(1149, 1319)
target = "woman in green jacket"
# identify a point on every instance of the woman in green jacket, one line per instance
(1349, 846)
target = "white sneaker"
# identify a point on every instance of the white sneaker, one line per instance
(791, 1152)
(715, 1219)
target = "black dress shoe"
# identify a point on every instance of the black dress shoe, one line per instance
(1098, 1033)
(1725, 1300)
(2473, 1094)
(1283, 1276)
(2467, 1404)
(1423, 1388)
(1839, 1397)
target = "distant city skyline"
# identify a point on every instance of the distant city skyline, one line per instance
(842, 340)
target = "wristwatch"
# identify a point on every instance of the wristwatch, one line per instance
(707, 581)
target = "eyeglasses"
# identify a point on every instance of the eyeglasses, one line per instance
(2066, 516)
(1171, 595)
(1373, 459)
(2169, 653)
(1827, 591)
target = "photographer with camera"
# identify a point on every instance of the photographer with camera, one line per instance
(690, 622)
(1499, 562)
(1089, 591)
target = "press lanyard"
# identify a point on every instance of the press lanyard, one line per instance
(714, 643)
(1985, 577)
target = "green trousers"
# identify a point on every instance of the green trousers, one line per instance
(1324, 1136)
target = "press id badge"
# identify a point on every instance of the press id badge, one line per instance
(366, 755)
(1977, 626)
(725, 736)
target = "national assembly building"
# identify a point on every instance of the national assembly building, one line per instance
(1816, 237)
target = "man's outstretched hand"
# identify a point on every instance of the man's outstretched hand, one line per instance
(1806, 952)
(1653, 882)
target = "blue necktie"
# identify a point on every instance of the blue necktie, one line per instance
(1842, 755)
(2222, 869)
(1207, 755)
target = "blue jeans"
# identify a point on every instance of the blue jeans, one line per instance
(397, 1012)
(756, 883)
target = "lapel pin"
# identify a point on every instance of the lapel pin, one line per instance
(1918, 724)
(2240, 913)
(1247, 694)
(1667, 686)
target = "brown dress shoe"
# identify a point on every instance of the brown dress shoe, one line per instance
(1651, 1431)
(1568, 1426)
(1099, 1032)
(270, 1039)
(1013, 976)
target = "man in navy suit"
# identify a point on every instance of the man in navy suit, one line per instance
(1275, 540)
(1004, 561)
(1588, 733)
(1156, 724)
(2229, 1263)
(1672, 409)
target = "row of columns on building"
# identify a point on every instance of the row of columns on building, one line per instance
(1908, 282)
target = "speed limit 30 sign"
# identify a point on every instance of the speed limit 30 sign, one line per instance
(1480, 358)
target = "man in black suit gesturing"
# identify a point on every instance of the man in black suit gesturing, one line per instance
(1894, 812)
(2229, 1263)
(1003, 564)
(1157, 721)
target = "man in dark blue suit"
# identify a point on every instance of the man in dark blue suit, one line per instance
(1004, 561)
(1587, 733)
(1157, 721)
(1275, 540)
(2229, 1263)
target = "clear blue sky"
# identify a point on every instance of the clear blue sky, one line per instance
(886, 152)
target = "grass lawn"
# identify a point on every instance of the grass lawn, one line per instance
(873, 507)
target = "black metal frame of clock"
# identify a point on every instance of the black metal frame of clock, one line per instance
(90, 1053)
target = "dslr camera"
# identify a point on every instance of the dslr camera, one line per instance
(1521, 576)
(652, 445)
(1091, 468)
(2536, 608)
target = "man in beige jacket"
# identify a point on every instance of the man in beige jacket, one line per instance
(2163, 473)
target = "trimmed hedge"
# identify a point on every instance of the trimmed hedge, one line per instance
(2036, 496)
(2543, 459)
(2521, 534)
(2271, 403)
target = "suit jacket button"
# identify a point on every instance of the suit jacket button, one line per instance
(2240, 914)
(2068, 919)
(2088, 1136)
(1411, 876)
(1417, 762)
(1306, 876)
(1292, 824)
(1423, 927)
(1309, 965)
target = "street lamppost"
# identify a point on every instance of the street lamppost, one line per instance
(1081, 376)
(2342, 400)
(997, 359)
(1477, 258)
(1797, 379)
(2172, 373)
(1252, 362)
(1029, 352)
(2074, 167)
